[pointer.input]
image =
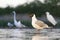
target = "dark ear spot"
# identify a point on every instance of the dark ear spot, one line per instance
(31, 15)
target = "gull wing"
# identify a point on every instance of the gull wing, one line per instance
(51, 19)
(40, 23)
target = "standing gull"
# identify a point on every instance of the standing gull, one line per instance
(17, 23)
(38, 24)
(51, 19)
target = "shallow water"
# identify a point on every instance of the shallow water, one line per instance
(29, 34)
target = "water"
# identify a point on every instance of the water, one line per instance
(29, 34)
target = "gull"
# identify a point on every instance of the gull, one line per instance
(17, 23)
(38, 24)
(10, 24)
(50, 18)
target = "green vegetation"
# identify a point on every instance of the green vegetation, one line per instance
(35, 7)
(27, 23)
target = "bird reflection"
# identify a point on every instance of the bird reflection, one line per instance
(39, 37)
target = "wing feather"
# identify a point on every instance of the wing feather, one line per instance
(40, 23)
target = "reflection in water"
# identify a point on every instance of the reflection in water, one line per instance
(29, 34)
(39, 37)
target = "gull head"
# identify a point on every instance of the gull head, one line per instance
(47, 13)
(33, 16)
(14, 12)
(30, 14)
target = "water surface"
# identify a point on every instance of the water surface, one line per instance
(29, 34)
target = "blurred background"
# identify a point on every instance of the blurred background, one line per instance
(25, 8)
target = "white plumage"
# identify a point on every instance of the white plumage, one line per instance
(17, 23)
(51, 19)
(9, 24)
(38, 24)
